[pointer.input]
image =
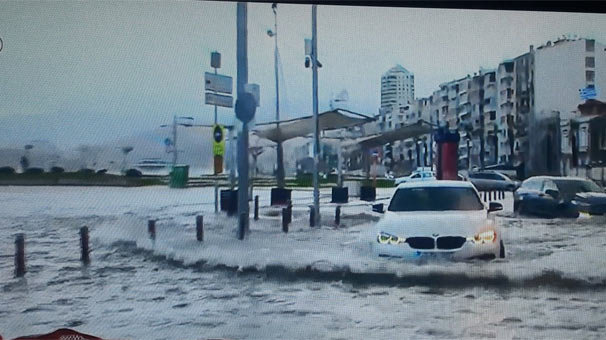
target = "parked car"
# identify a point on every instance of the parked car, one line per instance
(417, 175)
(492, 180)
(551, 197)
(435, 219)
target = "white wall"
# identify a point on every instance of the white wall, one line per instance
(560, 73)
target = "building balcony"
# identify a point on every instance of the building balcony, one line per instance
(506, 76)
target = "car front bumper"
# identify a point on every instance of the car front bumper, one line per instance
(589, 208)
(467, 251)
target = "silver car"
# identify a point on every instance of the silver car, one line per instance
(492, 180)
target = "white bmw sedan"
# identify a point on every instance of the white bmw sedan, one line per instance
(438, 219)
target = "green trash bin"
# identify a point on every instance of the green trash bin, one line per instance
(179, 176)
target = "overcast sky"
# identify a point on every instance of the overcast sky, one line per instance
(89, 72)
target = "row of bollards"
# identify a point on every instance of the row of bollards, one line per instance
(151, 230)
(20, 251)
(494, 195)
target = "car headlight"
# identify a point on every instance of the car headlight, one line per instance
(488, 236)
(385, 238)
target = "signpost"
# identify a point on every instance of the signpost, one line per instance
(218, 100)
(216, 83)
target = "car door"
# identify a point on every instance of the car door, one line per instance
(527, 197)
(480, 181)
(547, 204)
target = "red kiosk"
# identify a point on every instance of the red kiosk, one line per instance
(448, 153)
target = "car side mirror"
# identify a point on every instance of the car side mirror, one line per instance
(494, 206)
(378, 208)
(553, 193)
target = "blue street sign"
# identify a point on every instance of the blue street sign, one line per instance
(588, 93)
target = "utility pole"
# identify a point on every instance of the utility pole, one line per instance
(215, 64)
(314, 68)
(242, 75)
(279, 150)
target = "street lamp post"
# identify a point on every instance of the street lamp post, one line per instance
(314, 67)
(279, 150)
(174, 141)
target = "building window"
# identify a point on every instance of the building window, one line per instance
(589, 76)
(493, 115)
(589, 62)
(589, 45)
(583, 142)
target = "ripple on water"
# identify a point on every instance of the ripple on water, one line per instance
(511, 320)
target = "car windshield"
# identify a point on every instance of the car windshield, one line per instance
(435, 199)
(571, 187)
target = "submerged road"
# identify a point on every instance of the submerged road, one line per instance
(309, 283)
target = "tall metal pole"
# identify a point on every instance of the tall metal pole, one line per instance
(314, 68)
(242, 75)
(279, 151)
(216, 175)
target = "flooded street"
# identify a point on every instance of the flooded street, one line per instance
(309, 283)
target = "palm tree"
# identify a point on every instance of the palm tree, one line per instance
(125, 150)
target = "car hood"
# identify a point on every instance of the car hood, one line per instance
(430, 223)
(591, 197)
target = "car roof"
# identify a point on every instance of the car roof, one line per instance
(558, 178)
(436, 183)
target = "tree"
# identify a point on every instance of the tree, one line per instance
(125, 150)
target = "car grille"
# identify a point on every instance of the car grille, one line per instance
(420, 242)
(450, 242)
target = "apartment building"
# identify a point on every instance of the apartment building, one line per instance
(397, 92)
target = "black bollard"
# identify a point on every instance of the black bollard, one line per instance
(84, 249)
(241, 227)
(338, 215)
(20, 255)
(285, 220)
(256, 208)
(312, 216)
(200, 228)
(289, 211)
(151, 229)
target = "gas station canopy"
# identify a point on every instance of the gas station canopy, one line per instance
(301, 127)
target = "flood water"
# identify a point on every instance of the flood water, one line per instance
(309, 283)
